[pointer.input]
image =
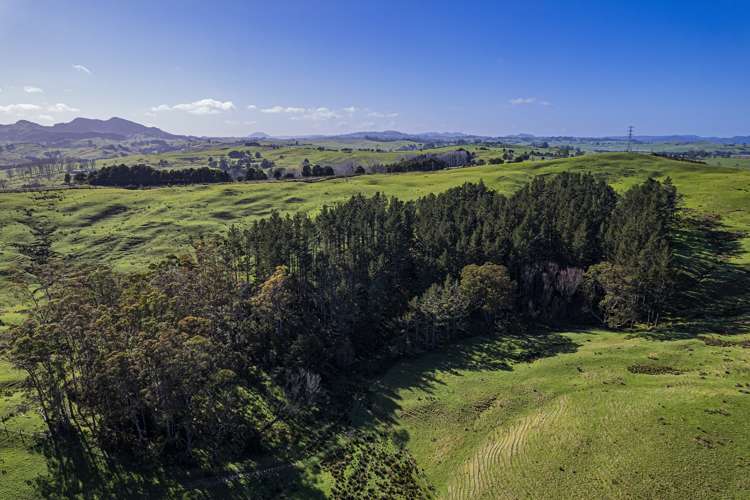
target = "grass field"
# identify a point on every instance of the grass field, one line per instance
(482, 419)
(344, 157)
(325, 153)
(131, 228)
(734, 162)
(577, 423)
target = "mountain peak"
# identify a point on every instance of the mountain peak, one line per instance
(80, 128)
(258, 135)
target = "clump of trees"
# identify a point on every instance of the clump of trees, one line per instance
(634, 283)
(145, 175)
(182, 359)
(316, 170)
(255, 174)
(431, 162)
(421, 163)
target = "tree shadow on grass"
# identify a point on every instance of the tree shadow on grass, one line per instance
(381, 402)
(713, 292)
(75, 470)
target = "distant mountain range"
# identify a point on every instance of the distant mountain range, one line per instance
(81, 128)
(119, 129)
(394, 135)
(685, 139)
(387, 136)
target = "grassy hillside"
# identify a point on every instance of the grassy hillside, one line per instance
(344, 157)
(485, 419)
(324, 153)
(589, 421)
(130, 228)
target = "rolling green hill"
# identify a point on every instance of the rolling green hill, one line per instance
(582, 414)
(588, 422)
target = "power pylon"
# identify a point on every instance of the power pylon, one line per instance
(630, 138)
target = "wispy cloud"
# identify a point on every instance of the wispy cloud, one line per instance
(30, 89)
(46, 118)
(19, 109)
(282, 109)
(378, 114)
(62, 108)
(252, 106)
(323, 113)
(523, 101)
(201, 107)
(81, 68)
(519, 101)
(238, 122)
(317, 114)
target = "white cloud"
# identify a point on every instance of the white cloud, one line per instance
(62, 108)
(322, 113)
(81, 68)
(524, 101)
(316, 114)
(205, 107)
(150, 114)
(377, 114)
(202, 107)
(519, 101)
(46, 118)
(282, 109)
(29, 89)
(275, 109)
(252, 106)
(19, 109)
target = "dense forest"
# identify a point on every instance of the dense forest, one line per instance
(178, 361)
(144, 175)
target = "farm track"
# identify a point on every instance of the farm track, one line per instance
(482, 475)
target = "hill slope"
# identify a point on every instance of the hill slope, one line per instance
(131, 228)
(569, 415)
(80, 128)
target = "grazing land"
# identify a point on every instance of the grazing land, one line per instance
(573, 413)
(132, 228)
(584, 419)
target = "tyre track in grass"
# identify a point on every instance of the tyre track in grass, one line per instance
(502, 454)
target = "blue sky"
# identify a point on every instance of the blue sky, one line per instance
(502, 67)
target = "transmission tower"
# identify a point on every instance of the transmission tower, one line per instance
(630, 138)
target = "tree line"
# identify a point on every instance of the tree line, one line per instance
(179, 361)
(144, 175)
